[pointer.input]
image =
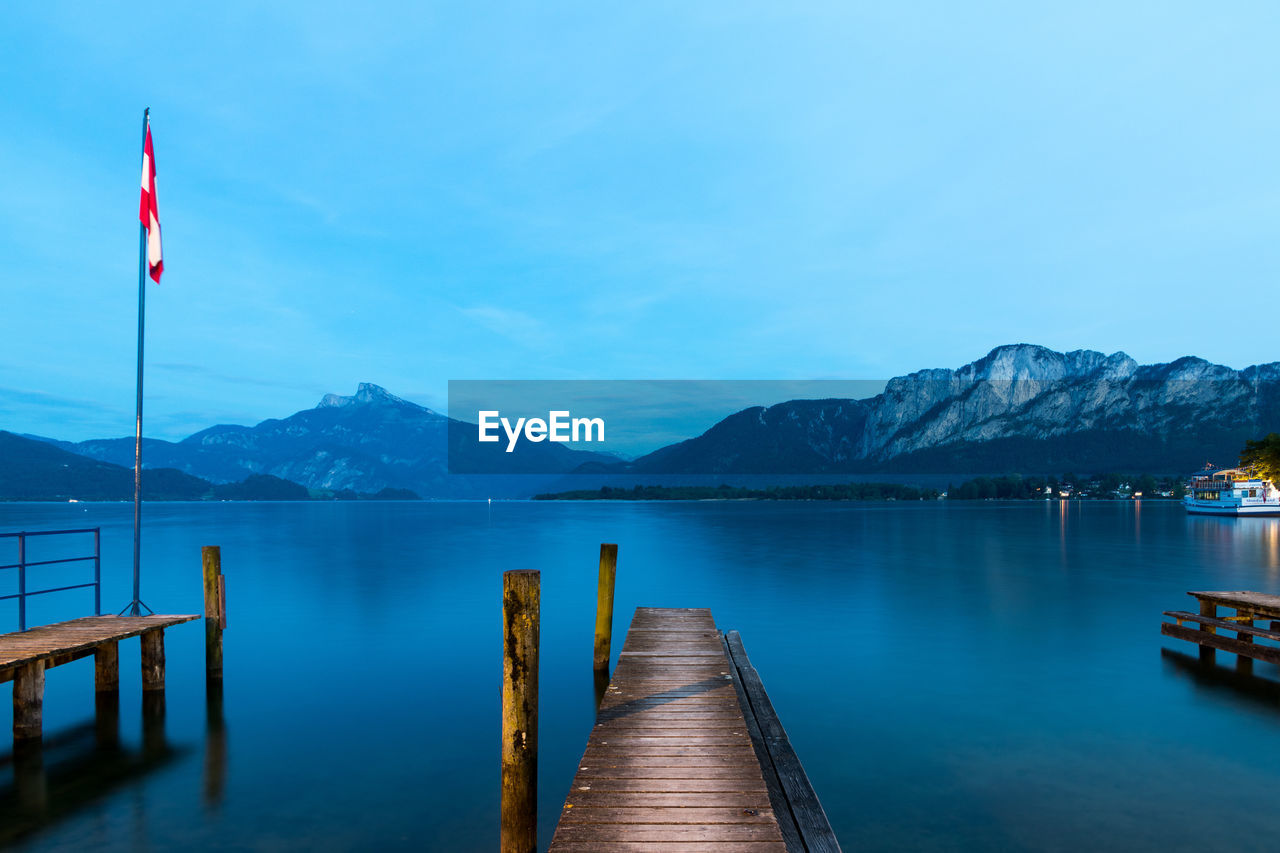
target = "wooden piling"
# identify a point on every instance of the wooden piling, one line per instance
(153, 659)
(1244, 663)
(28, 701)
(520, 618)
(1208, 608)
(106, 687)
(106, 667)
(214, 611)
(604, 606)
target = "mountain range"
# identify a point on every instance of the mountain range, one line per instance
(365, 443)
(1021, 408)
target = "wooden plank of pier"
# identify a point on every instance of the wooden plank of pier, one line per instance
(1260, 604)
(669, 765)
(64, 642)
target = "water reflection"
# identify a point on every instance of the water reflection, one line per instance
(29, 777)
(215, 745)
(107, 720)
(154, 741)
(1209, 677)
(56, 778)
(1255, 536)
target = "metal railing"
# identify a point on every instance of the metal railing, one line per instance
(23, 593)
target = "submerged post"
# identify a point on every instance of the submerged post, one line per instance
(520, 622)
(604, 606)
(214, 611)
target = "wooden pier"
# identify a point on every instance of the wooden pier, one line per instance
(24, 657)
(687, 753)
(1250, 607)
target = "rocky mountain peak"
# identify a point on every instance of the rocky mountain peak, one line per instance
(1117, 367)
(1031, 361)
(367, 394)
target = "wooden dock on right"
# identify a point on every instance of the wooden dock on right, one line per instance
(687, 753)
(1248, 644)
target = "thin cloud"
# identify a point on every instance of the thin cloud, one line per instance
(516, 326)
(50, 401)
(186, 369)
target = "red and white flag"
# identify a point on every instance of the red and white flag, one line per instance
(147, 212)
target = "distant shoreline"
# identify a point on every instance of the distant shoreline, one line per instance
(561, 499)
(831, 492)
(1014, 487)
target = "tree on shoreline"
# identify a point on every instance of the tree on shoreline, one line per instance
(1263, 456)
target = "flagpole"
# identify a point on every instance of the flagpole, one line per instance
(135, 606)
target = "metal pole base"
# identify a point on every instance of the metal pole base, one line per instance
(135, 609)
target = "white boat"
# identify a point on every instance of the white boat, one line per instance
(1231, 491)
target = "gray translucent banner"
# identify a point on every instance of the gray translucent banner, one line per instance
(932, 423)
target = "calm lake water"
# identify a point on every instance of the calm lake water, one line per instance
(969, 676)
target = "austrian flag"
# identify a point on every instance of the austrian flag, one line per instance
(147, 212)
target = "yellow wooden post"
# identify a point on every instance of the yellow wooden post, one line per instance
(520, 622)
(604, 606)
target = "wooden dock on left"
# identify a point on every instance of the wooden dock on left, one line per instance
(26, 655)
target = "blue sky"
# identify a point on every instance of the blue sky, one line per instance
(426, 192)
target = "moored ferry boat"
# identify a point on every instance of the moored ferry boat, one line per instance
(1231, 491)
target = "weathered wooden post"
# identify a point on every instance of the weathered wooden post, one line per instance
(215, 611)
(1208, 608)
(28, 701)
(1244, 664)
(106, 667)
(520, 605)
(153, 659)
(604, 606)
(106, 692)
(153, 700)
